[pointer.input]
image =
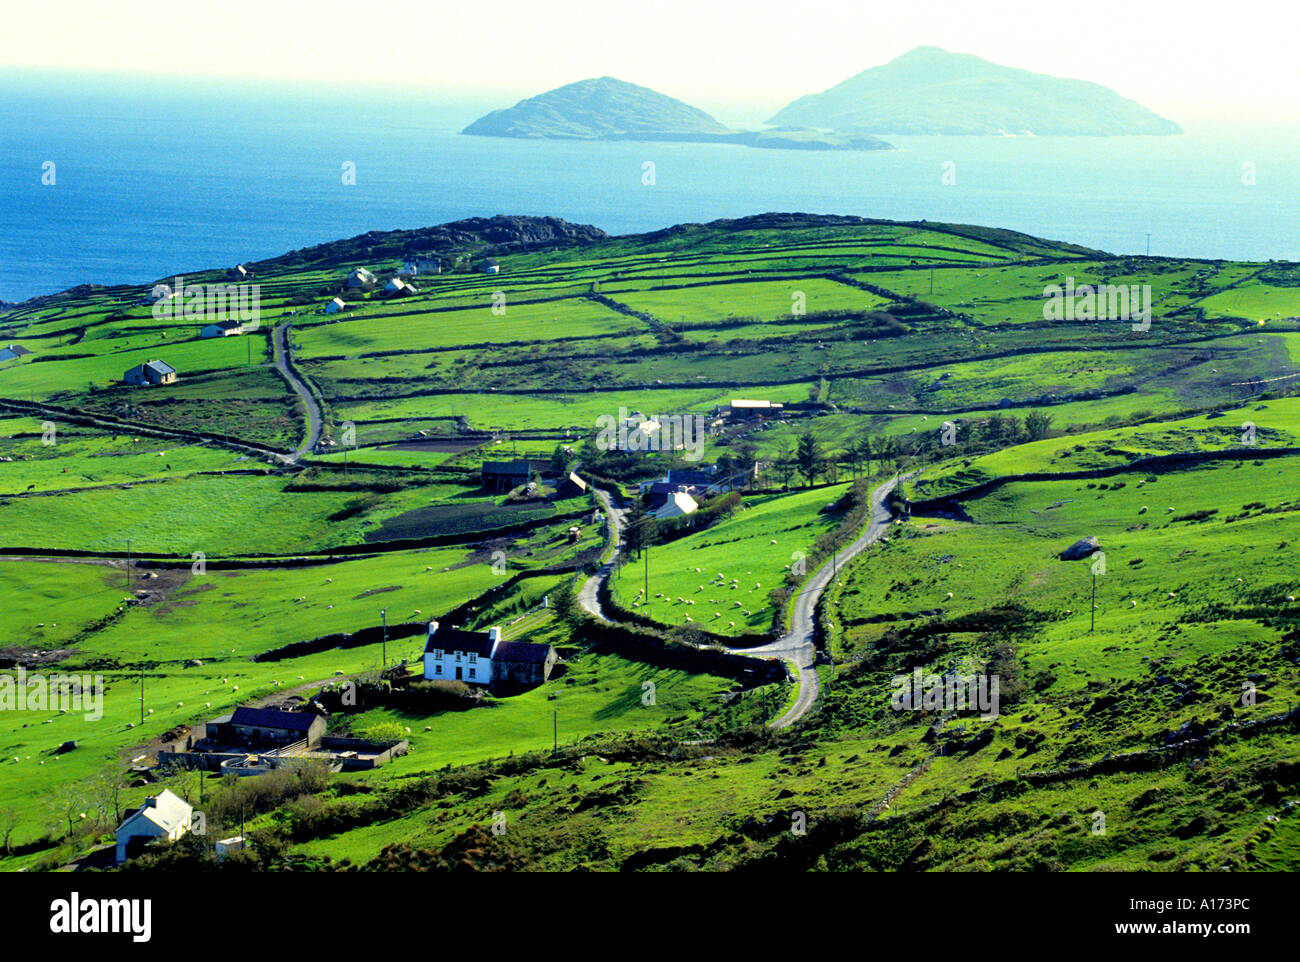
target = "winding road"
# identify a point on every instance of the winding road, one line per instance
(315, 417)
(798, 645)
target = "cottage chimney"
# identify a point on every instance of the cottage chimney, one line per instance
(433, 628)
(494, 634)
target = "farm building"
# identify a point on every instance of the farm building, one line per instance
(396, 287)
(482, 658)
(266, 726)
(570, 486)
(453, 654)
(501, 477)
(521, 663)
(150, 373)
(678, 505)
(422, 265)
(490, 266)
(660, 493)
(741, 408)
(335, 305)
(12, 351)
(359, 278)
(240, 273)
(165, 815)
(222, 329)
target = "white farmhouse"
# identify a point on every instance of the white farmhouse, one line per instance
(452, 654)
(165, 815)
(359, 278)
(482, 658)
(394, 286)
(222, 329)
(679, 504)
(335, 305)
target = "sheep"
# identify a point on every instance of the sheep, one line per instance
(1133, 603)
(1142, 510)
(731, 624)
(950, 594)
(772, 541)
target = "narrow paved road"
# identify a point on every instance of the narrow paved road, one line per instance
(798, 645)
(315, 418)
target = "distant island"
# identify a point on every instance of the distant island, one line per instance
(932, 91)
(604, 108)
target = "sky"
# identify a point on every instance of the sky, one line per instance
(737, 60)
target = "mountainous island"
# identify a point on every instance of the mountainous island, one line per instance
(933, 91)
(604, 108)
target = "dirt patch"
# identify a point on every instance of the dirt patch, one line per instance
(23, 656)
(376, 591)
(152, 586)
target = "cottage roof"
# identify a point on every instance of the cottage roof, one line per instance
(512, 468)
(166, 810)
(521, 652)
(160, 367)
(457, 639)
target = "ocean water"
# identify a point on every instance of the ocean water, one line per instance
(151, 179)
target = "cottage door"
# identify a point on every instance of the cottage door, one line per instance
(458, 671)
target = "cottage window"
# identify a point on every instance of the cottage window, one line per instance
(437, 653)
(473, 657)
(437, 669)
(458, 656)
(473, 672)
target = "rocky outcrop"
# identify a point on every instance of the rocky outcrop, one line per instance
(1081, 549)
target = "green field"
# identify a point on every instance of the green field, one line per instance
(874, 336)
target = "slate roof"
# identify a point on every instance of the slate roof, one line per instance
(298, 721)
(508, 468)
(457, 639)
(522, 652)
(160, 367)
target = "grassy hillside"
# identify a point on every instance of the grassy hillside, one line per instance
(915, 349)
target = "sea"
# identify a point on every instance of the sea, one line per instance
(113, 179)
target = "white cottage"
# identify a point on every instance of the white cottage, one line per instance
(222, 329)
(452, 654)
(335, 305)
(359, 278)
(165, 815)
(679, 504)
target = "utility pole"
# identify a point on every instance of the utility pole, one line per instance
(383, 613)
(142, 695)
(1093, 622)
(931, 280)
(555, 730)
(1148, 244)
(128, 564)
